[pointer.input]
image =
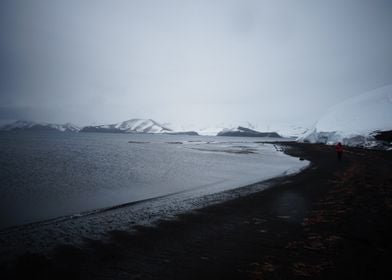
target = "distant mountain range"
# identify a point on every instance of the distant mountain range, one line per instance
(43, 126)
(130, 126)
(364, 120)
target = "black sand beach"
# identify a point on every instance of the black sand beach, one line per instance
(334, 220)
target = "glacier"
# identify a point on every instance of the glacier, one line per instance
(356, 121)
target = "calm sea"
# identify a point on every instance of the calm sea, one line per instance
(48, 175)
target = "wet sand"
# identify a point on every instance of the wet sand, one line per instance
(333, 220)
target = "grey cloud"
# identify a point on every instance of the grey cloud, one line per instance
(190, 61)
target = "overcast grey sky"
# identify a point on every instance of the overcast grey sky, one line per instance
(197, 61)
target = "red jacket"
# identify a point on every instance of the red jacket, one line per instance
(339, 148)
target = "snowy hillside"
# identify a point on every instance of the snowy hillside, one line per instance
(140, 125)
(28, 125)
(130, 126)
(355, 120)
(246, 132)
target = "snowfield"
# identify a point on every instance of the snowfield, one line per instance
(130, 126)
(141, 125)
(354, 121)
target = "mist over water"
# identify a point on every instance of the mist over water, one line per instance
(48, 175)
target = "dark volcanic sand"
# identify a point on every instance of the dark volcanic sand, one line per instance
(331, 221)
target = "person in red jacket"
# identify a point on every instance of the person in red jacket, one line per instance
(339, 150)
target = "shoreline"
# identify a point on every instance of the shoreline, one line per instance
(76, 192)
(306, 226)
(44, 236)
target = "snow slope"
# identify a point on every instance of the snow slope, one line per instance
(354, 120)
(129, 126)
(140, 125)
(29, 125)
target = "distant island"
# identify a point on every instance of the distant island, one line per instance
(247, 132)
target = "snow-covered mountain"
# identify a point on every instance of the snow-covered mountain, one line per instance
(355, 121)
(246, 132)
(130, 126)
(41, 126)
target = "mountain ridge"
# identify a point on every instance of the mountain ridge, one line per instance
(137, 125)
(21, 125)
(129, 126)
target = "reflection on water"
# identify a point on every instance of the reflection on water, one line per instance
(47, 175)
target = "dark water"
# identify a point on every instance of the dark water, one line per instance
(47, 175)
